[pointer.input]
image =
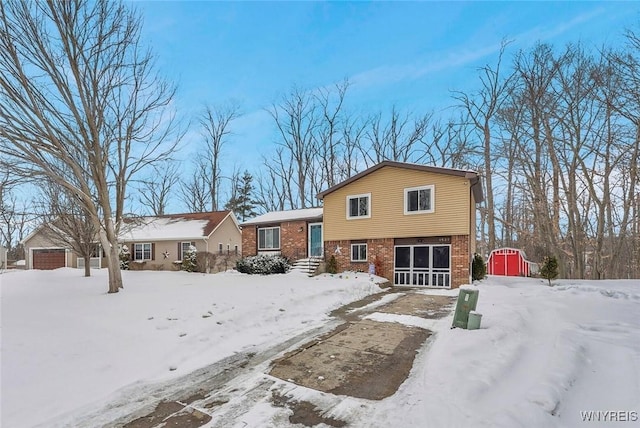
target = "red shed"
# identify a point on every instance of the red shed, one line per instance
(508, 262)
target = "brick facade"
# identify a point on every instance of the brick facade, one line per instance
(460, 260)
(249, 241)
(383, 249)
(293, 239)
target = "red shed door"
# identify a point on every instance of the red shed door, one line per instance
(499, 264)
(513, 264)
(48, 259)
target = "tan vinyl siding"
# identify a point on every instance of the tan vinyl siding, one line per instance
(451, 214)
(227, 233)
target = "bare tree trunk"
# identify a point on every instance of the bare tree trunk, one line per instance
(82, 105)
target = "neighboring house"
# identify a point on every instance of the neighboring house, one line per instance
(154, 242)
(42, 251)
(295, 234)
(160, 242)
(415, 223)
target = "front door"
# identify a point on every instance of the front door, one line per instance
(423, 265)
(315, 240)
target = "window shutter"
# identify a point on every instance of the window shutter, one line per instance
(179, 253)
(153, 251)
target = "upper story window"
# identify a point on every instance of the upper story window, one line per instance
(269, 238)
(359, 206)
(418, 200)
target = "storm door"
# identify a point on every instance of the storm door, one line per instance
(315, 240)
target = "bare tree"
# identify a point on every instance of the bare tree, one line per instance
(155, 192)
(66, 223)
(194, 191)
(82, 105)
(14, 220)
(395, 138)
(296, 118)
(481, 109)
(215, 128)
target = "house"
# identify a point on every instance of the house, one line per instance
(295, 234)
(43, 251)
(154, 242)
(414, 223)
(160, 243)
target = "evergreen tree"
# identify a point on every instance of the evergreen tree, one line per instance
(190, 259)
(332, 265)
(549, 268)
(241, 203)
(479, 269)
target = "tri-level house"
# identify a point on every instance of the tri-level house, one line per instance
(415, 223)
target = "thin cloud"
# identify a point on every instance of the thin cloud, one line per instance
(389, 74)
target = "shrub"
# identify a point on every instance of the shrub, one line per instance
(189, 259)
(125, 257)
(263, 264)
(549, 268)
(478, 268)
(205, 262)
(332, 265)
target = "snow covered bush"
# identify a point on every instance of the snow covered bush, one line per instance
(263, 265)
(125, 257)
(189, 259)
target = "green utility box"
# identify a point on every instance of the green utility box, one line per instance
(467, 301)
(474, 320)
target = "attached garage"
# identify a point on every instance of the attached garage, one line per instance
(508, 262)
(49, 258)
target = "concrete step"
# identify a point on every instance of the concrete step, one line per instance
(308, 265)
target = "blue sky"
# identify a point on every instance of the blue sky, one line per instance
(411, 54)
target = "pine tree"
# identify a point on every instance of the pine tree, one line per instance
(549, 268)
(189, 259)
(242, 203)
(332, 265)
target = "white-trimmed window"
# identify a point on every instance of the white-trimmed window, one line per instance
(419, 200)
(184, 248)
(358, 252)
(142, 252)
(359, 206)
(269, 238)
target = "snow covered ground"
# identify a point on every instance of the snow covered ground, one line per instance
(544, 356)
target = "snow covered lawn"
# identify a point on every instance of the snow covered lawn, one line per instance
(66, 343)
(544, 356)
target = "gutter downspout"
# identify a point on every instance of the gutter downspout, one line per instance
(206, 263)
